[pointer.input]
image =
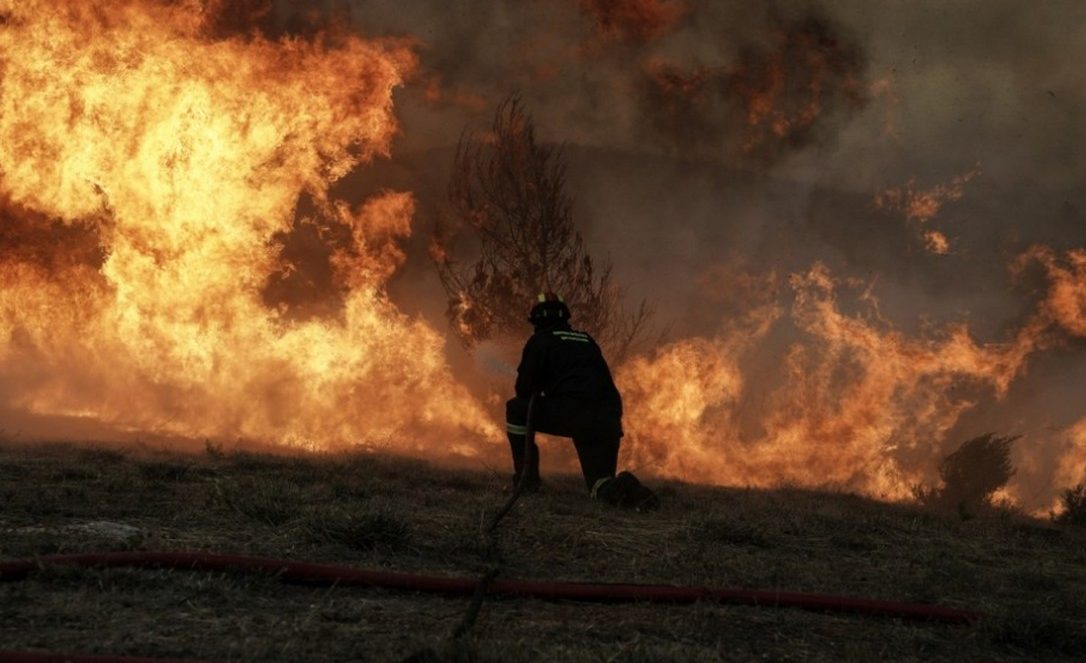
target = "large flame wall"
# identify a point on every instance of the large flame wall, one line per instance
(183, 156)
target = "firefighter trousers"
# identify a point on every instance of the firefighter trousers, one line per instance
(595, 435)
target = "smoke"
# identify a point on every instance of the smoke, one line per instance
(772, 100)
(633, 20)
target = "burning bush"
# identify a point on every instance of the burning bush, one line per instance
(510, 190)
(971, 475)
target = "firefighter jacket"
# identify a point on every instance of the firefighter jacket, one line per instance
(567, 367)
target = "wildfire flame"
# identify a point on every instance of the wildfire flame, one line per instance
(861, 405)
(1072, 466)
(923, 205)
(182, 156)
(1065, 301)
(936, 242)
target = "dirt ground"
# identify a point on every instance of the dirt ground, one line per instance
(372, 511)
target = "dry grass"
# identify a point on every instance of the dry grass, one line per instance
(399, 514)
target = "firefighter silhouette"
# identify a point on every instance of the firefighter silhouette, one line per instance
(575, 397)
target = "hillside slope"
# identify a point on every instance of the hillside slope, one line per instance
(381, 512)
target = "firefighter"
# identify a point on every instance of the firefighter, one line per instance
(575, 397)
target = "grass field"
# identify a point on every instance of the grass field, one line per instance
(390, 513)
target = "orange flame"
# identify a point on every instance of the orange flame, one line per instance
(936, 242)
(1072, 467)
(861, 406)
(1065, 301)
(923, 205)
(183, 155)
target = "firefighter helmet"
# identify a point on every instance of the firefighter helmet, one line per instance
(548, 308)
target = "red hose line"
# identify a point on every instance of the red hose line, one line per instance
(328, 574)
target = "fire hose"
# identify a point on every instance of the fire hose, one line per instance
(337, 575)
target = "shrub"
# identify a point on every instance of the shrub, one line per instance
(971, 475)
(1073, 501)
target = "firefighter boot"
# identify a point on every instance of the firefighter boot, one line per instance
(626, 492)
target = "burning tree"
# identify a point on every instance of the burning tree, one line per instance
(510, 190)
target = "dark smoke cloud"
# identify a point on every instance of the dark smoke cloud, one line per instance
(769, 102)
(948, 89)
(582, 68)
(633, 20)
